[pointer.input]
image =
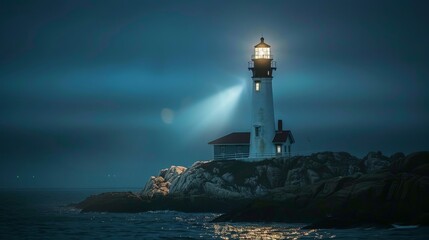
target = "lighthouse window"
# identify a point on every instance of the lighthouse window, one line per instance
(257, 86)
(263, 53)
(279, 149)
(257, 131)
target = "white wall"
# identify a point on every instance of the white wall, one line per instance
(263, 116)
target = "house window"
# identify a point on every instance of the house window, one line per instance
(257, 131)
(279, 148)
(257, 86)
(222, 149)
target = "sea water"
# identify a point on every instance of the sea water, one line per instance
(44, 214)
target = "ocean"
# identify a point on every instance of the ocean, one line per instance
(44, 214)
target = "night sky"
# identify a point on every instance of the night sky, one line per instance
(106, 93)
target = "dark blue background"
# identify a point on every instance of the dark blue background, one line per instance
(83, 84)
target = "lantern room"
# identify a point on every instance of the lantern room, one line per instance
(262, 50)
(262, 64)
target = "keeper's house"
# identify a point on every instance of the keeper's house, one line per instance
(236, 145)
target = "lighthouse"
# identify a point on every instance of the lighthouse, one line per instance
(262, 124)
(263, 140)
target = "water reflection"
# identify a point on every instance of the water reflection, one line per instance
(249, 231)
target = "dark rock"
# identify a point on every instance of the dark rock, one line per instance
(111, 202)
(132, 203)
(375, 161)
(411, 162)
(397, 156)
(376, 199)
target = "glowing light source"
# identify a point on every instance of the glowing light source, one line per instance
(257, 86)
(262, 53)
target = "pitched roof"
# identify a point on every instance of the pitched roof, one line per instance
(282, 136)
(262, 44)
(233, 138)
(244, 138)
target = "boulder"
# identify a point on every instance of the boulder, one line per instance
(375, 161)
(411, 163)
(160, 185)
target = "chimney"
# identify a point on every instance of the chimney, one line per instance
(280, 126)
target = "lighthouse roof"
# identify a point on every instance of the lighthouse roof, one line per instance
(243, 138)
(233, 138)
(282, 136)
(262, 44)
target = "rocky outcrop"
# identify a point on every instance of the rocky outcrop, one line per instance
(132, 203)
(328, 189)
(160, 185)
(398, 193)
(238, 179)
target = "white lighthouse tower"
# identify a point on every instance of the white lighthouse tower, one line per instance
(263, 125)
(263, 140)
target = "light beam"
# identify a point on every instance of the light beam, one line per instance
(213, 112)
